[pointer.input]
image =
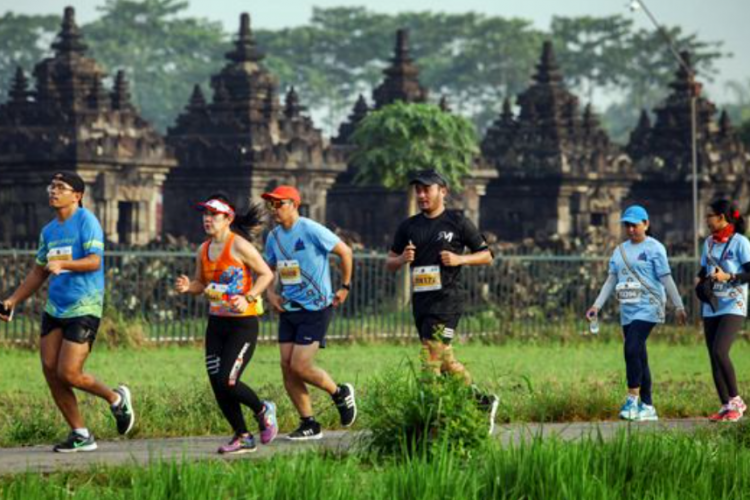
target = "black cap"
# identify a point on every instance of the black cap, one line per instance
(72, 179)
(428, 178)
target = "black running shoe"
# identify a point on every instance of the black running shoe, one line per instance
(490, 403)
(346, 404)
(75, 443)
(307, 431)
(123, 412)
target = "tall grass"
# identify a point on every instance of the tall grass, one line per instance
(713, 465)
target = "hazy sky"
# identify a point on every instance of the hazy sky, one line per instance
(718, 20)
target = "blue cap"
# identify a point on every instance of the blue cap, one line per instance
(634, 214)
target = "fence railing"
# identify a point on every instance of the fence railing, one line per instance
(517, 295)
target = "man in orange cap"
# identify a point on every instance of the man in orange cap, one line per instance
(298, 248)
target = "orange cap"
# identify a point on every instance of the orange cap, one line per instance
(284, 193)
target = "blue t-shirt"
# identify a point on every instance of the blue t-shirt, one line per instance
(649, 260)
(732, 298)
(300, 255)
(73, 294)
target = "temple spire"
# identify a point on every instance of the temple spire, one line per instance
(245, 49)
(69, 40)
(19, 90)
(121, 93)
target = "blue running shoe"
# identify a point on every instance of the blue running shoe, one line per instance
(629, 410)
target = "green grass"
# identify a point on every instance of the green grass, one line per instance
(584, 380)
(667, 466)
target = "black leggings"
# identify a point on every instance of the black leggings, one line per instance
(230, 344)
(720, 334)
(636, 357)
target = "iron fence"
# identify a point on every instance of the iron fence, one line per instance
(518, 295)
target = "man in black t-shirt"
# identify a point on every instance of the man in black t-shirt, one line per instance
(433, 243)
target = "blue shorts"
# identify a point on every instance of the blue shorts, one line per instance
(305, 327)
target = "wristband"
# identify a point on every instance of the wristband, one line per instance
(347, 287)
(250, 298)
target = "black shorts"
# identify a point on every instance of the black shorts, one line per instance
(81, 329)
(305, 327)
(440, 327)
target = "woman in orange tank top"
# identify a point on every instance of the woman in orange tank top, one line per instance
(224, 267)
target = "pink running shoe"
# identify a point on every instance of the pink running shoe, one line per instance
(239, 445)
(269, 426)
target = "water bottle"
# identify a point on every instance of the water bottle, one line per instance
(594, 324)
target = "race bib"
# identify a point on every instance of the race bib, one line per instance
(60, 254)
(629, 292)
(721, 290)
(290, 272)
(216, 292)
(426, 279)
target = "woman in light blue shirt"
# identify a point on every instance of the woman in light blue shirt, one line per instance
(640, 276)
(726, 262)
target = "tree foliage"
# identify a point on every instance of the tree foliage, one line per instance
(399, 139)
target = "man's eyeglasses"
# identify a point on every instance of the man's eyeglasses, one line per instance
(60, 188)
(276, 204)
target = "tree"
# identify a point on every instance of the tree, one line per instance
(24, 41)
(399, 139)
(163, 53)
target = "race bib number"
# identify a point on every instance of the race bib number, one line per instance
(721, 290)
(426, 279)
(290, 272)
(216, 292)
(60, 254)
(629, 292)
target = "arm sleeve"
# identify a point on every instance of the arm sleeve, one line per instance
(661, 264)
(324, 238)
(41, 253)
(744, 256)
(92, 237)
(606, 291)
(473, 238)
(672, 292)
(703, 272)
(401, 239)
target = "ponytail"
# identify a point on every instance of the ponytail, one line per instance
(246, 225)
(731, 213)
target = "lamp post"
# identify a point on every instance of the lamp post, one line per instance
(634, 6)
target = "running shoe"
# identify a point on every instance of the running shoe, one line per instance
(123, 412)
(738, 404)
(646, 413)
(629, 410)
(346, 405)
(719, 415)
(269, 426)
(490, 404)
(75, 443)
(307, 431)
(239, 445)
(731, 415)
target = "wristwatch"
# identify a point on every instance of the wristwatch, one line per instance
(250, 298)
(346, 286)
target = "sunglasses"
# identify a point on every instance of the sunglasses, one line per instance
(277, 204)
(60, 188)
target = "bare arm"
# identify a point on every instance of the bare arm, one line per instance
(34, 280)
(91, 262)
(347, 264)
(183, 284)
(480, 258)
(254, 260)
(394, 261)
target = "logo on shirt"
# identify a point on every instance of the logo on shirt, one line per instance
(730, 255)
(299, 245)
(643, 257)
(445, 236)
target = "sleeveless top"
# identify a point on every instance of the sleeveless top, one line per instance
(224, 278)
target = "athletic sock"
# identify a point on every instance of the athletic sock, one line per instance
(308, 420)
(83, 432)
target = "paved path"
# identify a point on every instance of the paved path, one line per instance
(143, 451)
